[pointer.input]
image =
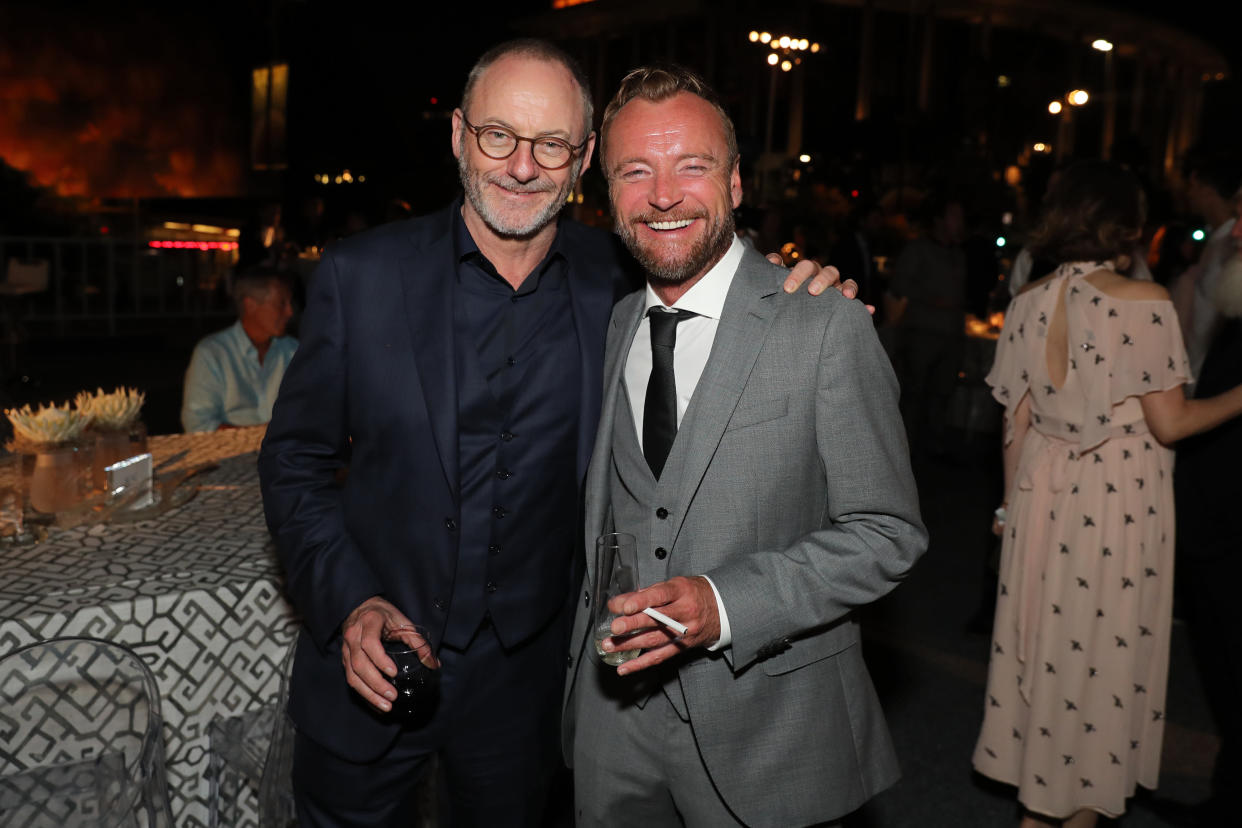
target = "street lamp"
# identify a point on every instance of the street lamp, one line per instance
(784, 53)
(1101, 45)
(1078, 97)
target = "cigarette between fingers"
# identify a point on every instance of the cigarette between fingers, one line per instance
(675, 626)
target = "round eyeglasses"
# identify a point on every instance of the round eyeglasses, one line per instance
(500, 142)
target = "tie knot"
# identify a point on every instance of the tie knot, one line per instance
(664, 324)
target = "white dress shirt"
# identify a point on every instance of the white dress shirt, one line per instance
(695, 336)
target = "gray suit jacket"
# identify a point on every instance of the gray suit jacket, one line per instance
(796, 498)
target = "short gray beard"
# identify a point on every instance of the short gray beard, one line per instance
(474, 181)
(708, 250)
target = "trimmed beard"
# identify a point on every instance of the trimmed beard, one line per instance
(474, 182)
(704, 253)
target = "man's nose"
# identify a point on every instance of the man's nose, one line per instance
(665, 191)
(521, 164)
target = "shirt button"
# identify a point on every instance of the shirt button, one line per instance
(586, 599)
(504, 474)
(450, 524)
(569, 660)
(493, 549)
(661, 513)
(661, 552)
(499, 511)
(506, 435)
(491, 587)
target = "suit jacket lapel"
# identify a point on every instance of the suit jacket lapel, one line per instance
(425, 281)
(625, 320)
(744, 325)
(592, 303)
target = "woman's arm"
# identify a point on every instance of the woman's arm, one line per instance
(1013, 450)
(1171, 416)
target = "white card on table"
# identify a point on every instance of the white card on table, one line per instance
(129, 477)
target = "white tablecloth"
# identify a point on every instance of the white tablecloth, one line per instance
(196, 592)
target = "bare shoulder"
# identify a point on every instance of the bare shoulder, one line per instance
(1132, 290)
(1038, 283)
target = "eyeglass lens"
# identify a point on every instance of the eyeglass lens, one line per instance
(498, 142)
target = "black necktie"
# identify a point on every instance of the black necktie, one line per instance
(660, 409)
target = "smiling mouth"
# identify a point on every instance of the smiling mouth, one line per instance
(669, 225)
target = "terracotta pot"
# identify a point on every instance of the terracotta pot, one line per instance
(56, 480)
(114, 446)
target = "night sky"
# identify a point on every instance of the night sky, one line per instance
(132, 98)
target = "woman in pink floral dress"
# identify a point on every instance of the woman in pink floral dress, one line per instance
(1090, 368)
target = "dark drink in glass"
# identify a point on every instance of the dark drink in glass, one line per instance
(418, 686)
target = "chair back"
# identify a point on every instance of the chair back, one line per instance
(26, 275)
(80, 740)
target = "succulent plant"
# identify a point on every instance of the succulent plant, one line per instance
(116, 410)
(51, 424)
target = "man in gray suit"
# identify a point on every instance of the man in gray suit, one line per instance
(779, 500)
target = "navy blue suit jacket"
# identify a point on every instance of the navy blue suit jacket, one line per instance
(372, 387)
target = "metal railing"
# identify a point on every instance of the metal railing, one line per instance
(113, 281)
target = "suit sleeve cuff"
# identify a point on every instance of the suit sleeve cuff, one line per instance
(726, 634)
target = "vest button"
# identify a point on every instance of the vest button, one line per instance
(661, 552)
(438, 603)
(499, 511)
(504, 474)
(569, 660)
(493, 549)
(450, 524)
(510, 362)
(506, 435)
(586, 599)
(491, 587)
(662, 513)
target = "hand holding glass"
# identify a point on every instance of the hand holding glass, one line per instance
(418, 678)
(616, 572)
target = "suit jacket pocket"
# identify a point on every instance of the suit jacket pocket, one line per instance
(804, 651)
(758, 412)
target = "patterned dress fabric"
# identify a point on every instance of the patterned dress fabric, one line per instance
(1074, 713)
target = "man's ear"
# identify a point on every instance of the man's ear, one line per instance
(735, 183)
(587, 153)
(455, 136)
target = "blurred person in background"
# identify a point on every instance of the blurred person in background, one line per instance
(925, 303)
(1090, 368)
(1212, 180)
(1209, 554)
(234, 374)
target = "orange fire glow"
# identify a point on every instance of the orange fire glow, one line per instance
(87, 116)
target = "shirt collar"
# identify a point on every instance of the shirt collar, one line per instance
(706, 297)
(243, 340)
(465, 249)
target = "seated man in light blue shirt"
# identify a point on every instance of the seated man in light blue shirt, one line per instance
(235, 373)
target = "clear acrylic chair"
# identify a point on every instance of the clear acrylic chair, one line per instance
(80, 740)
(252, 753)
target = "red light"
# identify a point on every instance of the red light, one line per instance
(854, 193)
(104, 230)
(435, 101)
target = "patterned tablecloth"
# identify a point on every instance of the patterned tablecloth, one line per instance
(196, 592)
